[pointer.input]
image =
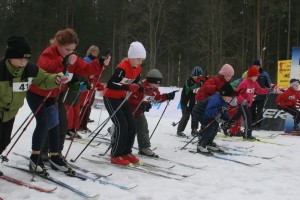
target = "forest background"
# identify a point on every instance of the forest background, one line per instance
(177, 34)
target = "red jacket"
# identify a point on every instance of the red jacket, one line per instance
(246, 90)
(128, 76)
(288, 98)
(149, 95)
(210, 87)
(51, 61)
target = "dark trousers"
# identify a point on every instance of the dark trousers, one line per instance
(294, 112)
(85, 116)
(125, 127)
(256, 110)
(186, 112)
(243, 111)
(5, 133)
(41, 129)
(208, 134)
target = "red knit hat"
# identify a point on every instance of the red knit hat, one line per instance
(252, 71)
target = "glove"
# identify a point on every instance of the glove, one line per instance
(170, 96)
(146, 107)
(227, 125)
(222, 110)
(72, 59)
(61, 78)
(104, 60)
(82, 86)
(134, 88)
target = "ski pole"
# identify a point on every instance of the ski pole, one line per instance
(160, 118)
(100, 116)
(4, 158)
(21, 126)
(175, 124)
(98, 127)
(109, 147)
(212, 121)
(113, 114)
(78, 94)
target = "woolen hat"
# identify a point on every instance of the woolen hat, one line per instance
(227, 90)
(252, 71)
(256, 62)
(294, 82)
(17, 47)
(154, 76)
(197, 71)
(136, 50)
(227, 70)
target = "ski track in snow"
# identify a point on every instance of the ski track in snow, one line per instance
(276, 179)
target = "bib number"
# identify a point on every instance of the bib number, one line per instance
(20, 86)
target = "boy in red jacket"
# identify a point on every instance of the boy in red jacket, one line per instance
(140, 102)
(287, 101)
(245, 94)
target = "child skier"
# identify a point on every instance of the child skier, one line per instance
(187, 101)
(245, 93)
(140, 102)
(125, 78)
(208, 113)
(15, 75)
(287, 101)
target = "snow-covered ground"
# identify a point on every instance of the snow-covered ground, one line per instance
(276, 179)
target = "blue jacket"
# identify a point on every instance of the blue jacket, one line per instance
(209, 107)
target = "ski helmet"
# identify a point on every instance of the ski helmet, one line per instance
(154, 76)
(197, 71)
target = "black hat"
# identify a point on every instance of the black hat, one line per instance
(294, 82)
(256, 62)
(154, 76)
(17, 47)
(226, 90)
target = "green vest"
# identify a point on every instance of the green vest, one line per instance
(14, 83)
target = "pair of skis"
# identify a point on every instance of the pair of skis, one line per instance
(145, 168)
(214, 155)
(56, 181)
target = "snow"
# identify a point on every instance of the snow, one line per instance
(277, 178)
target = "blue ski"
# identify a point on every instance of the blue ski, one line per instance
(224, 158)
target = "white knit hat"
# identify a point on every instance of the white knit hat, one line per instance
(136, 50)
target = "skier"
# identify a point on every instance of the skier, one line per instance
(125, 78)
(257, 106)
(76, 86)
(187, 101)
(208, 112)
(214, 84)
(51, 60)
(288, 100)
(85, 98)
(245, 93)
(16, 73)
(140, 102)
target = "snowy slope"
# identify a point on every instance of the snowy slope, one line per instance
(275, 179)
